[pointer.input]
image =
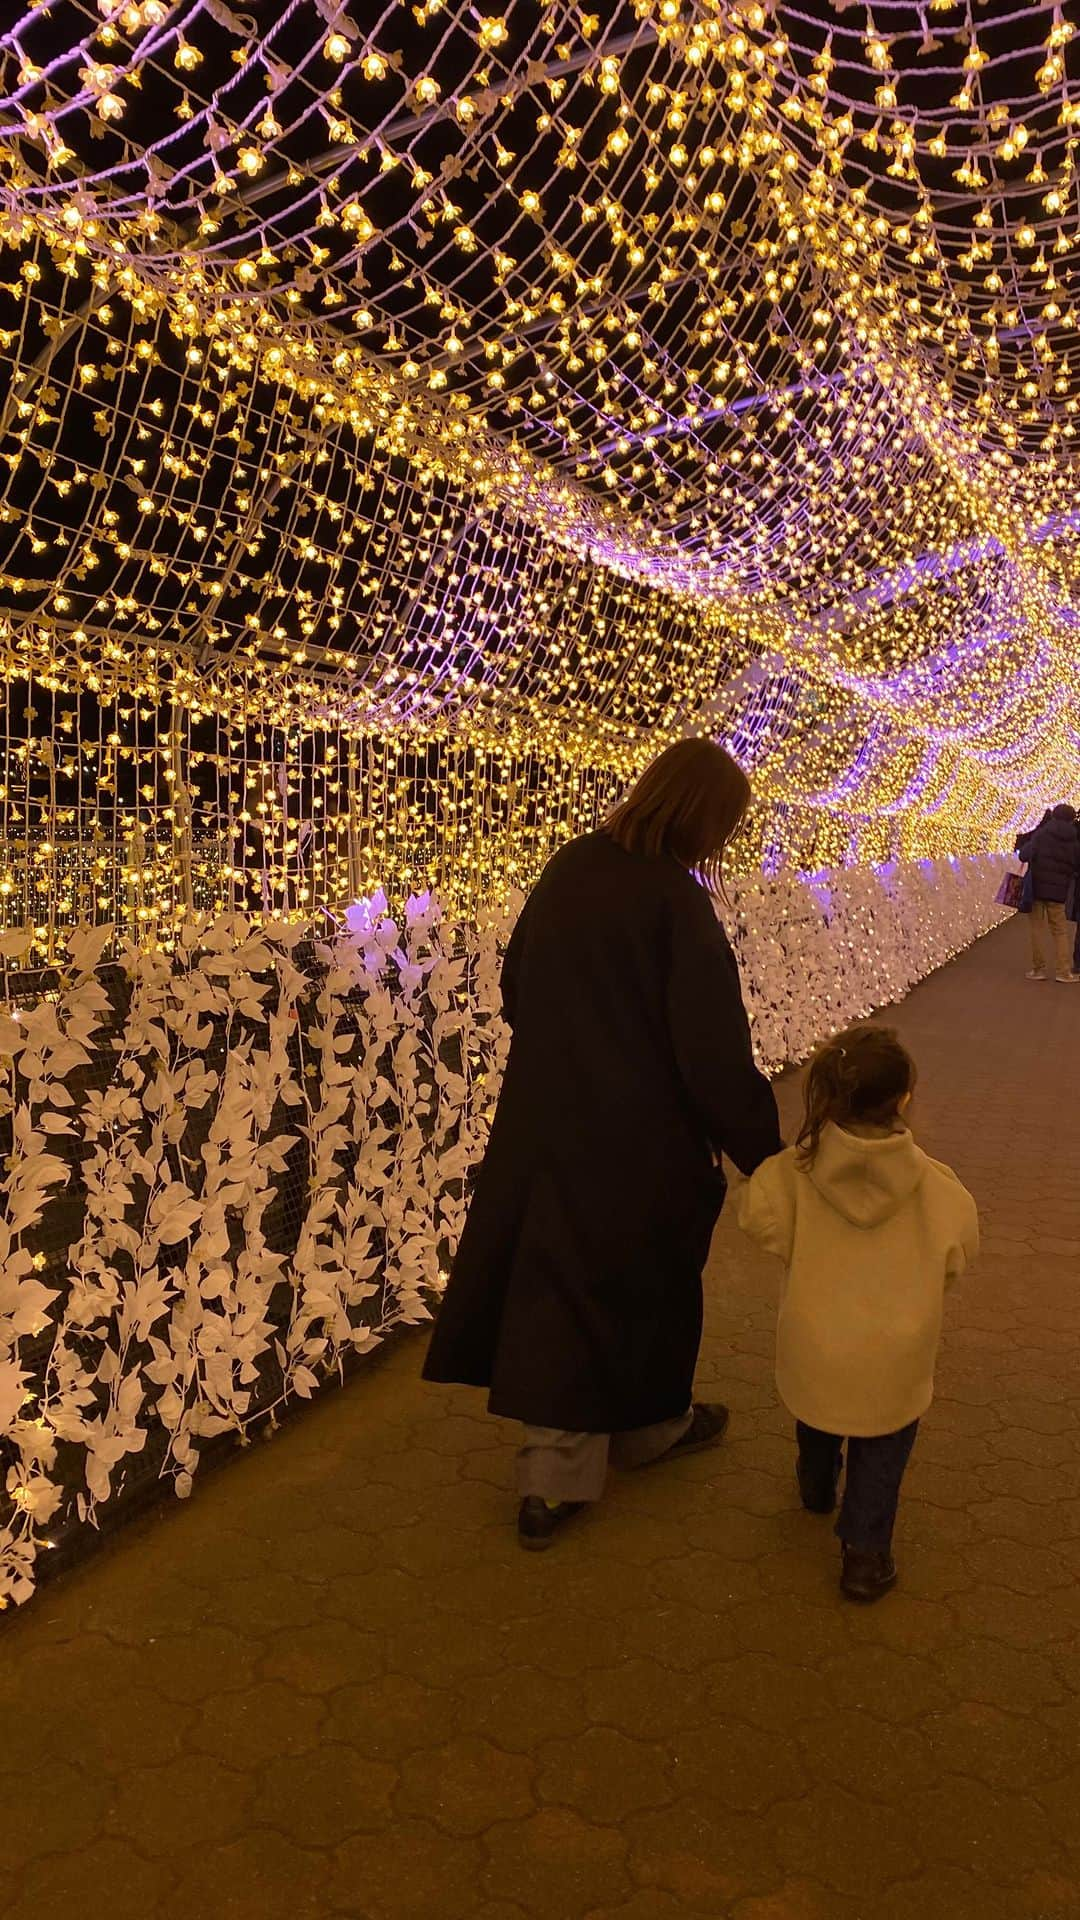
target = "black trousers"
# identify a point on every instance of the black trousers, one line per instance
(875, 1468)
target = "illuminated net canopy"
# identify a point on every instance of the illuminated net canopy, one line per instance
(415, 416)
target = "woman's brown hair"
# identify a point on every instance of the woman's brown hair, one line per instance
(859, 1077)
(689, 804)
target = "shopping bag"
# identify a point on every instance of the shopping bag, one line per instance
(1010, 891)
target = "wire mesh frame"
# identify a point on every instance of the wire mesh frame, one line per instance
(654, 432)
(138, 814)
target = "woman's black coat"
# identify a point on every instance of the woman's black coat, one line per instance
(576, 1292)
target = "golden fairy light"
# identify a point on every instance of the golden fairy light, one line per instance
(373, 502)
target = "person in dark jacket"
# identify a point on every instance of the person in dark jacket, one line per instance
(1053, 858)
(576, 1295)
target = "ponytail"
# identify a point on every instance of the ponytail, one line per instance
(860, 1076)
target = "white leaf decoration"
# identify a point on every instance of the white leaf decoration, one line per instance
(13, 1390)
(387, 1065)
(87, 945)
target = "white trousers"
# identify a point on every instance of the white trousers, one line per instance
(573, 1466)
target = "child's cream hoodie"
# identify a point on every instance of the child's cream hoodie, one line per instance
(872, 1232)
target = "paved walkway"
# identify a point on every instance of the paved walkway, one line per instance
(333, 1685)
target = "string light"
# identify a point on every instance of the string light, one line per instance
(605, 377)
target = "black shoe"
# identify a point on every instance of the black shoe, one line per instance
(538, 1523)
(707, 1426)
(866, 1576)
(811, 1497)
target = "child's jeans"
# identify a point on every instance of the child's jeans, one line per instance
(875, 1468)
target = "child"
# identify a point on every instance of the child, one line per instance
(872, 1231)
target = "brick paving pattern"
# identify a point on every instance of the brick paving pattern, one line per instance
(333, 1685)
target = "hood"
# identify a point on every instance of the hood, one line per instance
(866, 1180)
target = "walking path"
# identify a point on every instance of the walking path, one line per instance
(332, 1684)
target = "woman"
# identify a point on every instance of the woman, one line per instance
(576, 1292)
